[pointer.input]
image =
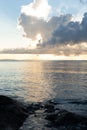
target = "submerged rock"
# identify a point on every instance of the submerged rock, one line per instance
(12, 113)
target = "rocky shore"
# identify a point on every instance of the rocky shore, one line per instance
(37, 116)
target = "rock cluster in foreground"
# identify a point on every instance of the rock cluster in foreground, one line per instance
(39, 116)
(47, 116)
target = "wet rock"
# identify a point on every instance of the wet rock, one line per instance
(47, 116)
(69, 120)
(49, 107)
(12, 113)
(31, 108)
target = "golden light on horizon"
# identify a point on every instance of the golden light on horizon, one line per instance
(40, 57)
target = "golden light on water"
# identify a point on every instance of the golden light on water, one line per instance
(36, 80)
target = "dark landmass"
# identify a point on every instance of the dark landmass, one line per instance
(32, 60)
(6, 60)
(37, 116)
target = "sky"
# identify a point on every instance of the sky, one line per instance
(54, 27)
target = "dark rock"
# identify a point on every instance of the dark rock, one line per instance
(49, 107)
(52, 116)
(67, 119)
(31, 108)
(12, 113)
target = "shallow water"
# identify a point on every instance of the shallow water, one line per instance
(35, 81)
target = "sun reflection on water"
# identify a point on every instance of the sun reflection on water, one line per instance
(37, 83)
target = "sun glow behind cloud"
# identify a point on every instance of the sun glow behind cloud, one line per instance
(38, 9)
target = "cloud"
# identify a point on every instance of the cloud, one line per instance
(72, 33)
(67, 50)
(33, 25)
(39, 9)
(35, 20)
(58, 30)
(58, 34)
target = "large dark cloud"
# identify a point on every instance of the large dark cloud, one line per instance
(72, 33)
(58, 30)
(33, 25)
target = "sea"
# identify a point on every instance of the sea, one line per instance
(64, 82)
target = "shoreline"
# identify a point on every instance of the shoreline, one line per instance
(15, 115)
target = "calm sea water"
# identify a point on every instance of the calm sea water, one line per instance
(63, 81)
